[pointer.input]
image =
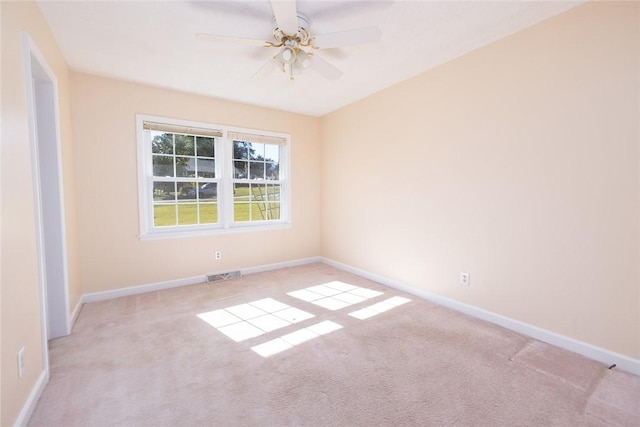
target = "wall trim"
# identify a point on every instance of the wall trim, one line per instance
(55, 313)
(279, 265)
(75, 314)
(141, 289)
(168, 284)
(32, 400)
(599, 354)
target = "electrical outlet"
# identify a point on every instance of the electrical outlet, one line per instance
(218, 255)
(21, 362)
(465, 279)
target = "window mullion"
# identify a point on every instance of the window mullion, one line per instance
(148, 211)
(173, 153)
(227, 175)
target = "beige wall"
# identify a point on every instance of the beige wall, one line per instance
(517, 163)
(113, 257)
(19, 285)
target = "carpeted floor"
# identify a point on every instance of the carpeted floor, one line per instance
(315, 346)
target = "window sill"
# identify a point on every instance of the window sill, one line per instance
(182, 233)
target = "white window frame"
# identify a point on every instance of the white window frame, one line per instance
(224, 177)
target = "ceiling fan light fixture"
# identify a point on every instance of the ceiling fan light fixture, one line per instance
(287, 55)
(303, 59)
(292, 60)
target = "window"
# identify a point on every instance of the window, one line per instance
(196, 178)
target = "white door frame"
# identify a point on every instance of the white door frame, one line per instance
(44, 135)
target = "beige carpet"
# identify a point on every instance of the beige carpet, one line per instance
(315, 346)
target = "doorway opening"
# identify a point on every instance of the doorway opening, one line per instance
(42, 95)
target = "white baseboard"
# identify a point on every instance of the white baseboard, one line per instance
(135, 290)
(30, 404)
(605, 356)
(279, 265)
(75, 314)
(141, 289)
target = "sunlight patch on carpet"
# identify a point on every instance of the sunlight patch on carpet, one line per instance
(244, 321)
(288, 341)
(380, 307)
(249, 320)
(334, 295)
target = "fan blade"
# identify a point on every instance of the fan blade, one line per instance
(324, 68)
(231, 39)
(347, 38)
(270, 63)
(286, 15)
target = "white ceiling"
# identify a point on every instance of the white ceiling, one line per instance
(155, 43)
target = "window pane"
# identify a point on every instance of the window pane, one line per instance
(163, 166)
(205, 147)
(206, 168)
(185, 145)
(208, 213)
(185, 166)
(187, 191)
(240, 192)
(258, 212)
(265, 192)
(272, 153)
(164, 215)
(164, 191)
(240, 150)
(208, 191)
(187, 213)
(272, 171)
(241, 202)
(246, 150)
(273, 190)
(240, 212)
(161, 143)
(256, 152)
(240, 169)
(258, 192)
(273, 210)
(265, 202)
(256, 170)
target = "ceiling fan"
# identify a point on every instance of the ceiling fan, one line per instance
(295, 43)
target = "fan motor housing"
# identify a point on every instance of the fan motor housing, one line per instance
(302, 36)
